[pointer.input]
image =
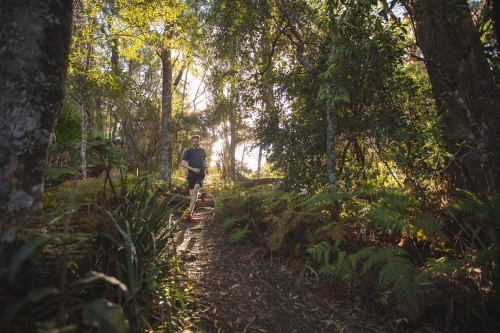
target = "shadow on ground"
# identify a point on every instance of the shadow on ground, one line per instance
(240, 289)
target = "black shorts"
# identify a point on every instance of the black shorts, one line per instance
(192, 180)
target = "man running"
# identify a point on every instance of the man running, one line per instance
(195, 161)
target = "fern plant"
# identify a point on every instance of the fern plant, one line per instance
(238, 208)
(291, 215)
(239, 235)
(479, 223)
(233, 222)
(390, 212)
(396, 270)
(401, 214)
(341, 269)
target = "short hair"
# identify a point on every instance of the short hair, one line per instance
(195, 137)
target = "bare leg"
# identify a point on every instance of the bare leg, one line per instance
(194, 196)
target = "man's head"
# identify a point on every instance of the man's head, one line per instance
(195, 139)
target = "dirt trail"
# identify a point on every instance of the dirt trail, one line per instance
(239, 289)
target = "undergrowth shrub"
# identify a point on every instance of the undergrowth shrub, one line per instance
(111, 271)
(145, 241)
(390, 236)
(238, 209)
(343, 248)
(475, 225)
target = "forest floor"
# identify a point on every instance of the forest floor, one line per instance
(240, 288)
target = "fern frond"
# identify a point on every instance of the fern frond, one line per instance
(275, 240)
(428, 227)
(341, 269)
(400, 272)
(327, 199)
(396, 270)
(473, 205)
(239, 235)
(327, 270)
(392, 251)
(435, 267)
(288, 221)
(401, 214)
(374, 257)
(332, 230)
(321, 252)
(231, 222)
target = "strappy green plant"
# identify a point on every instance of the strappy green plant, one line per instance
(135, 244)
(146, 239)
(56, 308)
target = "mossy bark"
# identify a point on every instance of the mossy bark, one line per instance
(34, 47)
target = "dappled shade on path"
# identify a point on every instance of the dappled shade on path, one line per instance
(240, 289)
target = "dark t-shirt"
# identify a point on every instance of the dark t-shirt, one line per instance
(195, 159)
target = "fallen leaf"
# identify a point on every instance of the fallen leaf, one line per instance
(250, 254)
(302, 305)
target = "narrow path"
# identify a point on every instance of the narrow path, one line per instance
(240, 289)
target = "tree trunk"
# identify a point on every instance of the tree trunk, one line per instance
(83, 147)
(232, 124)
(259, 163)
(464, 91)
(330, 148)
(34, 43)
(128, 132)
(166, 119)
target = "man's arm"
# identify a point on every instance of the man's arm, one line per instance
(205, 166)
(185, 164)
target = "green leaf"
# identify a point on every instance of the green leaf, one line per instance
(33, 296)
(31, 249)
(65, 329)
(51, 326)
(93, 276)
(109, 317)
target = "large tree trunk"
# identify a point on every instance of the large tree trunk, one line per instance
(166, 119)
(464, 91)
(34, 47)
